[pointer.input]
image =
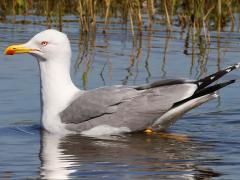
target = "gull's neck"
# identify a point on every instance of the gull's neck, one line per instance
(57, 91)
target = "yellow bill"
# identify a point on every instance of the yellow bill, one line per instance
(17, 49)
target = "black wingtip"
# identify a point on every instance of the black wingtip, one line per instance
(206, 91)
(202, 83)
(214, 88)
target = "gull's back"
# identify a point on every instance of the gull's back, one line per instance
(134, 108)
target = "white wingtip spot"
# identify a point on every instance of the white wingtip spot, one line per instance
(228, 70)
(237, 65)
(212, 77)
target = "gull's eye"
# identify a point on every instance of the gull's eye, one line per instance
(44, 43)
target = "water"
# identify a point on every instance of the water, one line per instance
(212, 148)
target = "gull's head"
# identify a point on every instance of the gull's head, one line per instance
(46, 45)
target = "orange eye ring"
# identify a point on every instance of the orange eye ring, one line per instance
(44, 43)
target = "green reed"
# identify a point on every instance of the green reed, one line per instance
(196, 17)
(197, 14)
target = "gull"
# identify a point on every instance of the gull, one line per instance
(110, 109)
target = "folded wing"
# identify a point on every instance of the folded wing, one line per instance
(133, 107)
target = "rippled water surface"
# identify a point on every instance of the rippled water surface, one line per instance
(212, 149)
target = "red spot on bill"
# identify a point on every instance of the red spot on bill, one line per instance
(10, 52)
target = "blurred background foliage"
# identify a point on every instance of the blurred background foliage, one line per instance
(140, 14)
(201, 20)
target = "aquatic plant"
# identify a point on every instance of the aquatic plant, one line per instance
(198, 14)
(197, 18)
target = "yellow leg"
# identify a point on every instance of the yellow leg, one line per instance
(178, 137)
(148, 131)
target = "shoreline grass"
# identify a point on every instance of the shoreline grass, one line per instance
(197, 18)
(197, 14)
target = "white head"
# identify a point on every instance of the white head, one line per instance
(53, 52)
(46, 45)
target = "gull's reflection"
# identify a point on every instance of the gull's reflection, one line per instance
(129, 157)
(55, 162)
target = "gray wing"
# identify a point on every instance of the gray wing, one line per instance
(133, 107)
(95, 103)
